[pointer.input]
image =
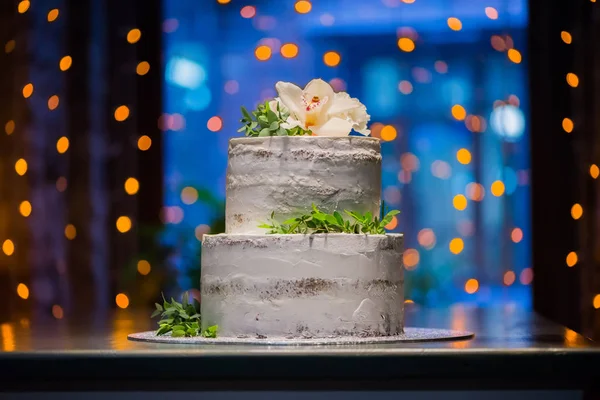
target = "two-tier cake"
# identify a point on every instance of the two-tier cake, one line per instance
(256, 284)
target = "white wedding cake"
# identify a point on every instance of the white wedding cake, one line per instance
(257, 284)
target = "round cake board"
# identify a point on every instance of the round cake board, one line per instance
(410, 335)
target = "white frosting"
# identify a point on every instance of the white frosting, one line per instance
(303, 285)
(287, 174)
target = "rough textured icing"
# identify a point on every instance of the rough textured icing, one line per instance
(287, 174)
(303, 285)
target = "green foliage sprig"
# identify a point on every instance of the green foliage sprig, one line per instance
(318, 221)
(266, 122)
(181, 319)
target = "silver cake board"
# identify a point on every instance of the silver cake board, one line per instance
(410, 335)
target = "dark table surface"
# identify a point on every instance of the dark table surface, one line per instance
(512, 348)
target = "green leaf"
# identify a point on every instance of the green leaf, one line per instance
(211, 331)
(272, 117)
(191, 332)
(274, 126)
(289, 221)
(265, 132)
(178, 333)
(392, 213)
(331, 219)
(166, 321)
(179, 328)
(156, 313)
(246, 114)
(282, 132)
(368, 217)
(185, 299)
(163, 329)
(243, 128)
(338, 217)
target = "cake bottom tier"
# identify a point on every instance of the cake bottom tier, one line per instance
(321, 285)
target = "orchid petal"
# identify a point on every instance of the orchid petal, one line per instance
(320, 89)
(334, 127)
(343, 103)
(291, 97)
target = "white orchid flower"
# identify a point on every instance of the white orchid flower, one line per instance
(318, 109)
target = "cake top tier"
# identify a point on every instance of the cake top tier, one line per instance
(287, 175)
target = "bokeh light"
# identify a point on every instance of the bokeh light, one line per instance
(516, 235)
(459, 202)
(21, 166)
(458, 112)
(122, 300)
(572, 79)
(65, 63)
(497, 188)
(201, 230)
(23, 291)
(471, 286)
(144, 142)
(70, 232)
(123, 224)
(25, 208)
(23, 6)
(10, 46)
(9, 127)
(134, 35)
(406, 44)
(440, 67)
(53, 15)
(576, 211)
(566, 37)
(303, 6)
(132, 186)
(189, 195)
(61, 184)
(332, 58)
(405, 87)
(596, 301)
(456, 245)
(57, 311)
(463, 156)
(262, 53)
(121, 113)
(214, 124)
(8, 247)
(142, 68)
(526, 276)
(594, 171)
(248, 11)
(410, 259)
(491, 13)
(514, 56)
(571, 259)
(426, 238)
(53, 102)
(454, 23)
(509, 278)
(231, 87)
(62, 145)
(388, 133)
(567, 125)
(289, 50)
(143, 267)
(475, 191)
(28, 90)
